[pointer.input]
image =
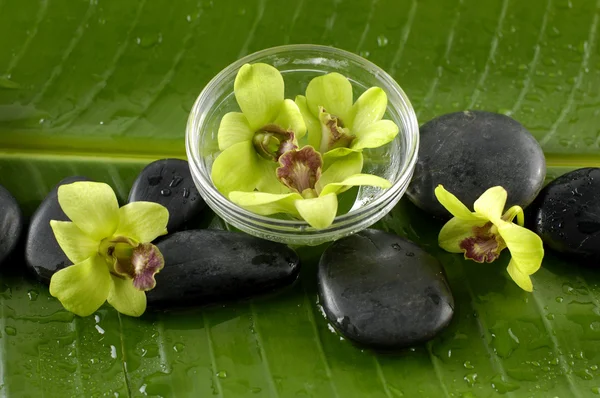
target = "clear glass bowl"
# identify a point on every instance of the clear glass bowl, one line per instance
(299, 64)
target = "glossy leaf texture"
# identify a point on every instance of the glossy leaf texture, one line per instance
(100, 88)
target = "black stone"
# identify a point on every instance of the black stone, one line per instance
(383, 291)
(11, 223)
(209, 266)
(566, 214)
(469, 152)
(169, 182)
(43, 255)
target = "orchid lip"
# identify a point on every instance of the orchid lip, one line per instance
(300, 169)
(334, 134)
(484, 246)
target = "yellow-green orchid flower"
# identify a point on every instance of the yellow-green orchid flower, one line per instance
(481, 235)
(312, 190)
(252, 141)
(109, 247)
(334, 122)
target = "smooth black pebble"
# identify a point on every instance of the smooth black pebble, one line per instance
(11, 223)
(43, 255)
(169, 182)
(566, 214)
(382, 291)
(209, 266)
(469, 152)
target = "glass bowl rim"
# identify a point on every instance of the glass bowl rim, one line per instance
(198, 169)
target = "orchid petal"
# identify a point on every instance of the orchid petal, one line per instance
(312, 123)
(76, 245)
(519, 277)
(454, 205)
(375, 135)
(332, 92)
(340, 169)
(515, 211)
(234, 128)
(92, 206)
(259, 90)
(356, 180)
(268, 181)
(318, 212)
(266, 204)
(125, 298)
(82, 288)
(526, 248)
(236, 169)
(369, 108)
(491, 203)
(142, 221)
(290, 118)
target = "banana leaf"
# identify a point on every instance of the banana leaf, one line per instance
(102, 87)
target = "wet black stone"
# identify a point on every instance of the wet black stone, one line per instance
(383, 291)
(11, 223)
(469, 152)
(209, 266)
(43, 255)
(169, 182)
(566, 214)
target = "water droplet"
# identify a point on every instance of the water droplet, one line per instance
(594, 367)
(256, 390)
(149, 40)
(175, 181)
(99, 329)
(186, 193)
(33, 295)
(595, 326)
(585, 374)
(468, 365)
(188, 18)
(222, 374)
(596, 390)
(396, 246)
(550, 317)
(178, 347)
(143, 389)
(113, 352)
(559, 299)
(471, 379)
(165, 192)
(364, 54)
(567, 288)
(382, 41)
(10, 331)
(501, 386)
(97, 318)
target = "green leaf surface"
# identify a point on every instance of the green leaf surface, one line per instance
(101, 87)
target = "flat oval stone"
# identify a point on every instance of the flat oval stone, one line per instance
(208, 266)
(11, 223)
(383, 291)
(43, 255)
(469, 152)
(566, 214)
(169, 182)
